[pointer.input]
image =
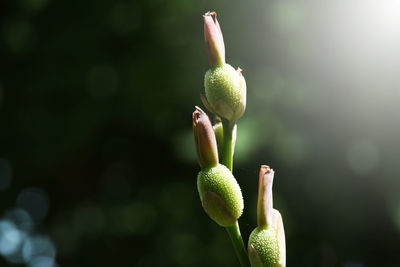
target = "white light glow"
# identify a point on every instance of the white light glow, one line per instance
(10, 238)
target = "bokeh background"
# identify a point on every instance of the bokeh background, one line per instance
(97, 160)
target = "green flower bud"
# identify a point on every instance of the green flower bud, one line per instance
(220, 195)
(267, 245)
(267, 242)
(226, 92)
(263, 248)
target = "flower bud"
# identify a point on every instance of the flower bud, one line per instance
(264, 202)
(267, 242)
(214, 40)
(225, 92)
(219, 135)
(204, 137)
(220, 195)
(263, 248)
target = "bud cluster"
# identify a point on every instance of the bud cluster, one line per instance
(220, 193)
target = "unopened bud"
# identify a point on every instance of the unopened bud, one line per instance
(225, 92)
(267, 242)
(264, 203)
(204, 137)
(220, 195)
(214, 40)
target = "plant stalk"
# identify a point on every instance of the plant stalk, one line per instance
(227, 150)
(237, 241)
(227, 160)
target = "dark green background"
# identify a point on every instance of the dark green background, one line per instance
(96, 100)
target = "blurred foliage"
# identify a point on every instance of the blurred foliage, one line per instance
(97, 161)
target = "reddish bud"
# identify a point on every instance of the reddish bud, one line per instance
(204, 137)
(264, 204)
(214, 40)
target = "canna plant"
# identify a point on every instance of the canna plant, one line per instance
(219, 191)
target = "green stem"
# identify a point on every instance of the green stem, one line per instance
(227, 150)
(237, 241)
(227, 160)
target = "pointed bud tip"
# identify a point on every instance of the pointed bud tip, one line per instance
(198, 112)
(198, 109)
(211, 14)
(196, 115)
(265, 169)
